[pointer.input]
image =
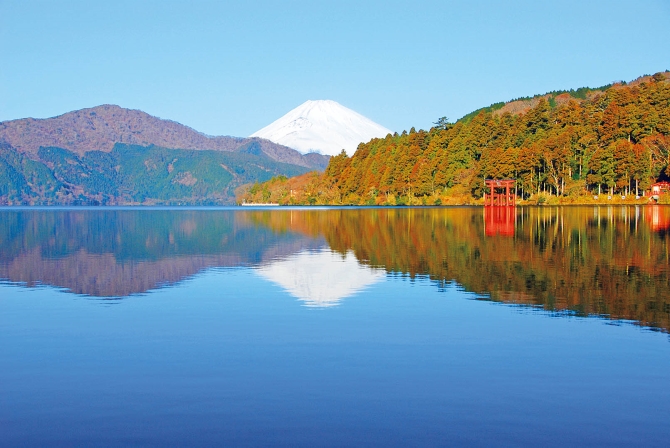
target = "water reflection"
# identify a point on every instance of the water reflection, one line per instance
(658, 218)
(604, 261)
(321, 278)
(116, 253)
(499, 220)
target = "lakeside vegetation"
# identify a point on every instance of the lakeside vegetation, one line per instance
(612, 143)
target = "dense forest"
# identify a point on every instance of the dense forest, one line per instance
(560, 147)
(132, 174)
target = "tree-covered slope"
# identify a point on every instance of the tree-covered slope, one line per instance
(131, 174)
(614, 140)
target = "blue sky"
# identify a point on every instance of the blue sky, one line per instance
(230, 68)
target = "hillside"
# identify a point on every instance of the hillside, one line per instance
(100, 128)
(554, 98)
(131, 174)
(561, 146)
(115, 156)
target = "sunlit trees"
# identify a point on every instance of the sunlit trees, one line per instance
(614, 139)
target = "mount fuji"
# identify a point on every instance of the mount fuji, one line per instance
(323, 126)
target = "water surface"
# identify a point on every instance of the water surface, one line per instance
(331, 327)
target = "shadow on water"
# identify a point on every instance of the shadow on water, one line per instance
(588, 261)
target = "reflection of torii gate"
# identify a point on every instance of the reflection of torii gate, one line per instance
(499, 221)
(498, 197)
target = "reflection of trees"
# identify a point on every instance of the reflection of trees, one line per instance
(133, 235)
(587, 260)
(112, 253)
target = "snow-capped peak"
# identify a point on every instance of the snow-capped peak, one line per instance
(323, 126)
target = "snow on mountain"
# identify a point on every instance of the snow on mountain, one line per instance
(323, 126)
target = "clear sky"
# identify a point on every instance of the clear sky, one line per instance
(230, 68)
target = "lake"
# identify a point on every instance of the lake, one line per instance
(335, 326)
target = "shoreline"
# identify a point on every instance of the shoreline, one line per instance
(475, 203)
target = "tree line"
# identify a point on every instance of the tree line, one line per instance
(615, 141)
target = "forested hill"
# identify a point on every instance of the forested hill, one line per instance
(115, 156)
(562, 145)
(100, 128)
(554, 98)
(131, 174)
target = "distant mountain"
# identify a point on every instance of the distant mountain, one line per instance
(100, 128)
(130, 175)
(113, 156)
(324, 126)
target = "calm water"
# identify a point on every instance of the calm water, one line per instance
(335, 327)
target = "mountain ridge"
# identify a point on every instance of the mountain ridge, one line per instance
(99, 128)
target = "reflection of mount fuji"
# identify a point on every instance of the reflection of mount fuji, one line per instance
(320, 278)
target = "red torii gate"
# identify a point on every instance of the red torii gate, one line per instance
(498, 197)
